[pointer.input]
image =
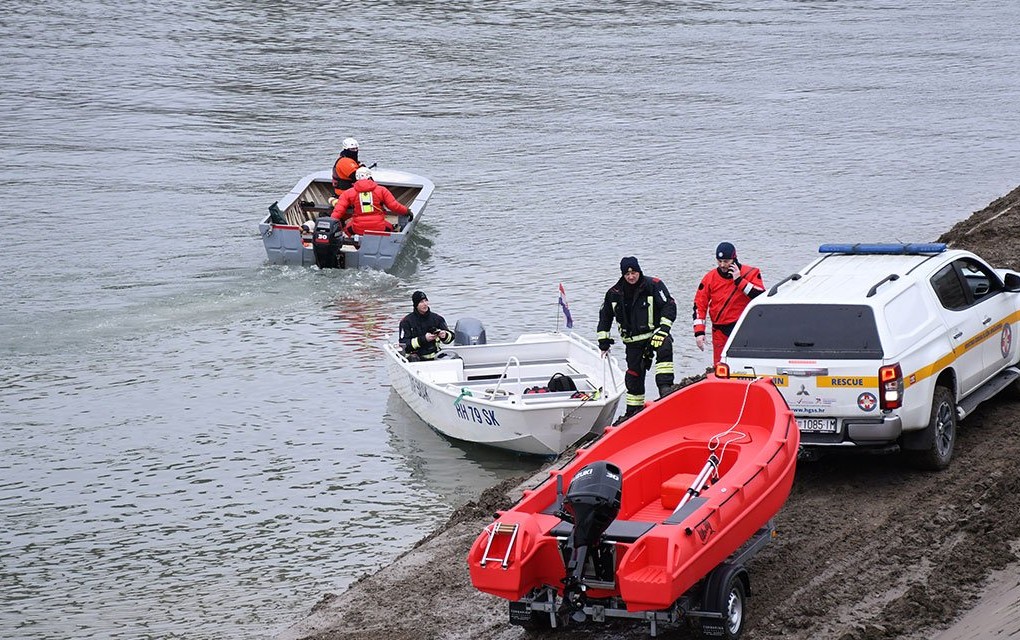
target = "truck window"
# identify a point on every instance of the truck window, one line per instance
(980, 280)
(834, 331)
(949, 288)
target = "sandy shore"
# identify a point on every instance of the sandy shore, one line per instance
(868, 548)
(996, 613)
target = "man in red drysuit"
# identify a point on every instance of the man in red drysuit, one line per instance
(722, 296)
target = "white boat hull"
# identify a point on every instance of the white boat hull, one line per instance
(478, 397)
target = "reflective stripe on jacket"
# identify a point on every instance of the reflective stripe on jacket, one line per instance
(413, 328)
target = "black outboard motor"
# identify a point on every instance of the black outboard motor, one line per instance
(468, 331)
(591, 504)
(326, 240)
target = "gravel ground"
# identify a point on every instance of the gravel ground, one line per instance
(867, 547)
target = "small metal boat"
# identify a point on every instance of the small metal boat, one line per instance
(498, 394)
(297, 229)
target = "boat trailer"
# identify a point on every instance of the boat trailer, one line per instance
(715, 606)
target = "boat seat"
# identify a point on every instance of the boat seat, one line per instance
(618, 530)
(674, 489)
(549, 396)
(692, 505)
(481, 380)
(500, 365)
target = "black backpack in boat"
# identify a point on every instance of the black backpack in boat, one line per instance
(561, 382)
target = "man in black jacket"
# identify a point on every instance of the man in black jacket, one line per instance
(422, 331)
(645, 312)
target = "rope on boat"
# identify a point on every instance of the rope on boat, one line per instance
(464, 391)
(711, 468)
(714, 441)
(587, 397)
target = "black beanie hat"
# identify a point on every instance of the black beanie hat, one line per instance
(417, 297)
(725, 251)
(630, 262)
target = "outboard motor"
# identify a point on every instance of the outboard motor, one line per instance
(591, 504)
(468, 331)
(326, 240)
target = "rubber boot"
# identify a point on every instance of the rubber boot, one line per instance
(630, 411)
(667, 389)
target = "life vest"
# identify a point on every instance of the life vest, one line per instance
(344, 169)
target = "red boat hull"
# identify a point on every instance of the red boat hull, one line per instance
(747, 425)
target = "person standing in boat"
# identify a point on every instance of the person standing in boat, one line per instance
(345, 166)
(722, 296)
(369, 202)
(645, 312)
(422, 332)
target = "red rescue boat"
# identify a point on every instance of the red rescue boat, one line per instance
(660, 515)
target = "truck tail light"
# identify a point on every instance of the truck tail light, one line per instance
(722, 370)
(890, 387)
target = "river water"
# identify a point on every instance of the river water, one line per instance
(198, 445)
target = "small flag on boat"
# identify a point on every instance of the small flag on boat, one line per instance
(565, 307)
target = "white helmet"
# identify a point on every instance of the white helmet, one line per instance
(363, 173)
(350, 143)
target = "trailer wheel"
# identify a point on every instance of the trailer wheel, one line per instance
(939, 437)
(735, 603)
(724, 593)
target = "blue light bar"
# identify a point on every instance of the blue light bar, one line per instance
(884, 249)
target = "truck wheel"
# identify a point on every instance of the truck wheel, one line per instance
(733, 623)
(940, 434)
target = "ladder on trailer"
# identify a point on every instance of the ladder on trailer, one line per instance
(500, 529)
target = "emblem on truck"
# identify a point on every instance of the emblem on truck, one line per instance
(867, 401)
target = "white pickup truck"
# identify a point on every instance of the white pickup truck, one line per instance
(887, 344)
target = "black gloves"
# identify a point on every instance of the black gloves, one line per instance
(604, 344)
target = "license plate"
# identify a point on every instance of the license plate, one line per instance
(520, 613)
(817, 425)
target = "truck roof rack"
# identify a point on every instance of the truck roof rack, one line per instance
(775, 287)
(892, 277)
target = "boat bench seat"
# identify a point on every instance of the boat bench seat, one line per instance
(526, 380)
(618, 530)
(674, 489)
(499, 365)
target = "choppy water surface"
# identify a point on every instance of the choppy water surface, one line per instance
(197, 445)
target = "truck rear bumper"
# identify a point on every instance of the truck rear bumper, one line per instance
(858, 433)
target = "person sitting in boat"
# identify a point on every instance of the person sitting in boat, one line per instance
(422, 332)
(370, 202)
(345, 166)
(645, 311)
